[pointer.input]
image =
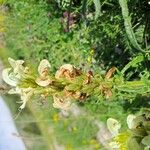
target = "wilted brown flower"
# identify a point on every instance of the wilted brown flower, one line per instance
(75, 95)
(110, 72)
(106, 91)
(80, 96)
(89, 76)
(67, 71)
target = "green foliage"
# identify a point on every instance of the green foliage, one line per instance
(41, 36)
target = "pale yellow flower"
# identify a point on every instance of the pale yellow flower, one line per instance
(43, 79)
(15, 90)
(61, 103)
(43, 67)
(130, 121)
(25, 94)
(12, 75)
(17, 66)
(8, 77)
(113, 126)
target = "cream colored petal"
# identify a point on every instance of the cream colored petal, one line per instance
(18, 68)
(67, 67)
(26, 70)
(26, 90)
(14, 63)
(14, 91)
(20, 62)
(113, 126)
(6, 77)
(41, 82)
(113, 146)
(130, 121)
(23, 105)
(58, 74)
(44, 64)
(61, 103)
(25, 96)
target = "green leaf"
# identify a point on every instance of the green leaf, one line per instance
(133, 144)
(146, 140)
(133, 63)
(128, 26)
(97, 8)
(139, 132)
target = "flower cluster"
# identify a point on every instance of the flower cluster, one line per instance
(13, 75)
(137, 137)
(69, 83)
(25, 83)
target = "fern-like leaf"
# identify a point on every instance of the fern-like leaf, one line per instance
(97, 8)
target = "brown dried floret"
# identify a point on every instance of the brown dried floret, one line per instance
(89, 77)
(110, 72)
(63, 103)
(106, 91)
(67, 71)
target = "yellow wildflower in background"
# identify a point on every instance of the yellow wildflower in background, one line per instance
(56, 118)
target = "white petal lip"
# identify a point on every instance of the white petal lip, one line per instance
(25, 93)
(113, 126)
(7, 79)
(14, 91)
(43, 82)
(61, 103)
(43, 65)
(25, 96)
(130, 121)
(14, 63)
(17, 65)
